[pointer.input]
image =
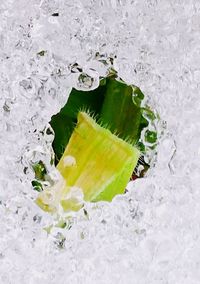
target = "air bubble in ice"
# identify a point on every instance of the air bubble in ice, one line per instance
(88, 81)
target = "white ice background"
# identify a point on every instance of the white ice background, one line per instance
(151, 235)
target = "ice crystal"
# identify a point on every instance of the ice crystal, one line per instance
(150, 234)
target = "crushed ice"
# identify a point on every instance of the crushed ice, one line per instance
(152, 233)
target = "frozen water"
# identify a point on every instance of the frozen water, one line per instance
(152, 233)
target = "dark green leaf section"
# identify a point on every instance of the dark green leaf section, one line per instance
(114, 103)
(121, 110)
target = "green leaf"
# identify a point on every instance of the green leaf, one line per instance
(104, 162)
(98, 159)
(96, 162)
(114, 103)
(121, 112)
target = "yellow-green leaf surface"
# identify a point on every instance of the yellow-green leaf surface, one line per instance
(97, 161)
